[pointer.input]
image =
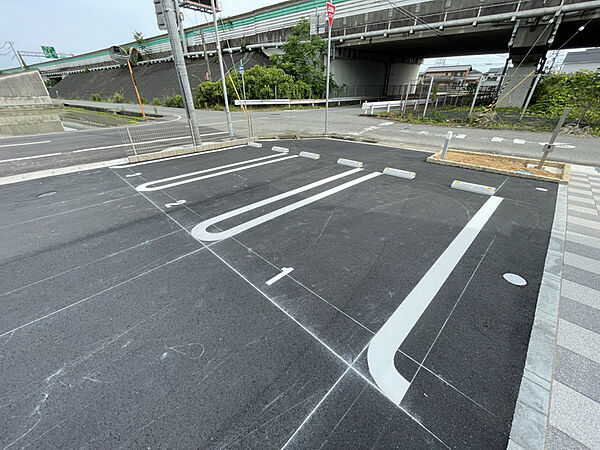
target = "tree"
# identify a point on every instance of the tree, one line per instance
(141, 44)
(303, 57)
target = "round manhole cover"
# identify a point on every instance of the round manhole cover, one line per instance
(515, 279)
(46, 194)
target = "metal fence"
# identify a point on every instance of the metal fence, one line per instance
(156, 136)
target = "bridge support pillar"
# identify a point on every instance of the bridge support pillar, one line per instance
(528, 48)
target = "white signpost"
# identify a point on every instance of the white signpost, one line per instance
(330, 14)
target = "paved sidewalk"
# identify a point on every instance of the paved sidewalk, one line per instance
(574, 416)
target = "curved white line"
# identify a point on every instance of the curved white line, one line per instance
(390, 337)
(201, 234)
(150, 186)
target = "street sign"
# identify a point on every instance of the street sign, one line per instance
(241, 68)
(49, 52)
(330, 13)
(160, 16)
(199, 5)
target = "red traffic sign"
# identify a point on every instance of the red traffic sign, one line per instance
(330, 13)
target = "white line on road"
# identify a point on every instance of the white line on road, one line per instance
(25, 143)
(497, 139)
(390, 337)
(460, 136)
(519, 141)
(149, 186)
(200, 231)
(279, 276)
(30, 157)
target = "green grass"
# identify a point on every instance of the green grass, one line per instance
(132, 119)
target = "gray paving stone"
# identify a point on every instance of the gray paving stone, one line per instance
(580, 293)
(583, 239)
(587, 211)
(582, 262)
(580, 314)
(529, 427)
(589, 223)
(575, 415)
(587, 203)
(584, 215)
(583, 277)
(578, 373)
(583, 250)
(557, 440)
(579, 340)
(587, 231)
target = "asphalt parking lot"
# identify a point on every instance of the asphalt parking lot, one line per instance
(248, 298)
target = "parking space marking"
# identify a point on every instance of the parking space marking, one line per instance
(200, 231)
(279, 276)
(30, 157)
(151, 185)
(390, 337)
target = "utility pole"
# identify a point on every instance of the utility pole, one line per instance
(330, 13)
(168, 8)
(206, 56)
(181, 29)
(220, 56)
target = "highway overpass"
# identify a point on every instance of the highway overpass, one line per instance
(381, 43)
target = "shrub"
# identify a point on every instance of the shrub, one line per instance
(118, 97)
(96, 98)
(174, 101)
(144, 100)
(156, 101)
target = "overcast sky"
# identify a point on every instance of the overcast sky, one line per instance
(79, 26)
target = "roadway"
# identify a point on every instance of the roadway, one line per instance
(49, 151)
(251, 299)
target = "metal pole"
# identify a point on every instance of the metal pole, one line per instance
(475, 96)
(550, 145)
(220, 55)
(206, 55)
(406, 99)
(181, 30)
(327, 83)
(530, 95)
(446, 144)
(136, 89)
(180, 69)
(244, 88)
(17, 54)
(428, 95)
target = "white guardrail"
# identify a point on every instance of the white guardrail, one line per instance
(370, 107)
(290, 102)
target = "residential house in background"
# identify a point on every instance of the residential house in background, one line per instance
(586, 60)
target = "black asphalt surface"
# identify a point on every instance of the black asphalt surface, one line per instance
(119, 329)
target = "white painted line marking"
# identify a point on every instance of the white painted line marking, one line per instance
(150, 186)
(25, 143)
(386, 124)
(390, 337)
(177, 203)
(541, 189)
(284, 272)
(137, 174)
(497, 139)
(518, 141)
(558, 144)
(30, 157)
(200, 231)
(460, 136)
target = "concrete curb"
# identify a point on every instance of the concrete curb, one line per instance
(532, 409)
(185, 151)
(566, 173)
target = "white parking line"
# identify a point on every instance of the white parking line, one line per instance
(279, 276)
(25, 143)
(200, 231)
(150, 186)
(390, 337)
(30, 157)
